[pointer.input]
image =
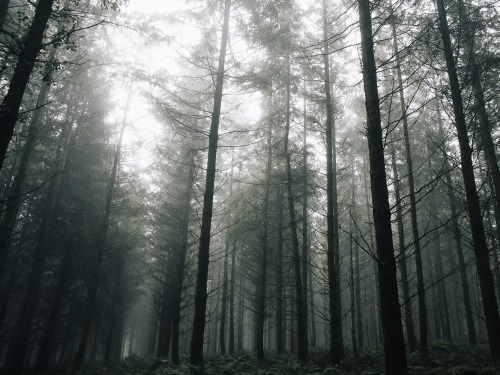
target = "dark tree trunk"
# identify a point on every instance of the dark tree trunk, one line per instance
(422, 310)
(200, 302)
(394, 346)
(165, 329)
(9, 109)
(16, 189)
(336, 352)
(487, 286)
(352, 286)
(4, 9)
(376, 321)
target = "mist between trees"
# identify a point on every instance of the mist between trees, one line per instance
(317, 179)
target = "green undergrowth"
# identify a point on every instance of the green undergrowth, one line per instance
(445, 358)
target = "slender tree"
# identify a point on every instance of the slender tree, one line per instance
(394, 347)
(480, 246)
(336, 342)
(200, 303)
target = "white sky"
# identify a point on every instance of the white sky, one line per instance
(143, 134)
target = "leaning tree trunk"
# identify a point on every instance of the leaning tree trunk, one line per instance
(394, 346)
(457, 237)
(200, 301)
(485, 276)
(336, 352)
(485, 130)
(15, 194)
(9, 109)
(302, 349)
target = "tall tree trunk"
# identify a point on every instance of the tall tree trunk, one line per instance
(490, 305)
(485, 130)
(15, 199)
(100, 245)
(225, 282)
(9, 109)
(457, 236)
(376, 321)
(394, 346)
(280, 340)
(444, 313)
(115, 322)
(165, 329)
(200, 302)
(410, 328)
(231, 292)
(181, 258)
(262, 273)
(302, 344)
(352, 286)
(305, 225)
(241, 313)
(336, 352)
(422, 311)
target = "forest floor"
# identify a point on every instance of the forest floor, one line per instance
(444, 358)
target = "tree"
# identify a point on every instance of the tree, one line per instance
(9, 109)
(490, 305)
(204, 246)
(394, 348)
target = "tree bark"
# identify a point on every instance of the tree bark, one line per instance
(225, 282)
(480, 246)
(422, 310)
(181, 258)
(262, 273)
(394, 347)
(336, 351)
(9, 109)
(200, 301)
(302, 344)
(280, 340)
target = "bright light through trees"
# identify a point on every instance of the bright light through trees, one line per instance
(249, 186)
